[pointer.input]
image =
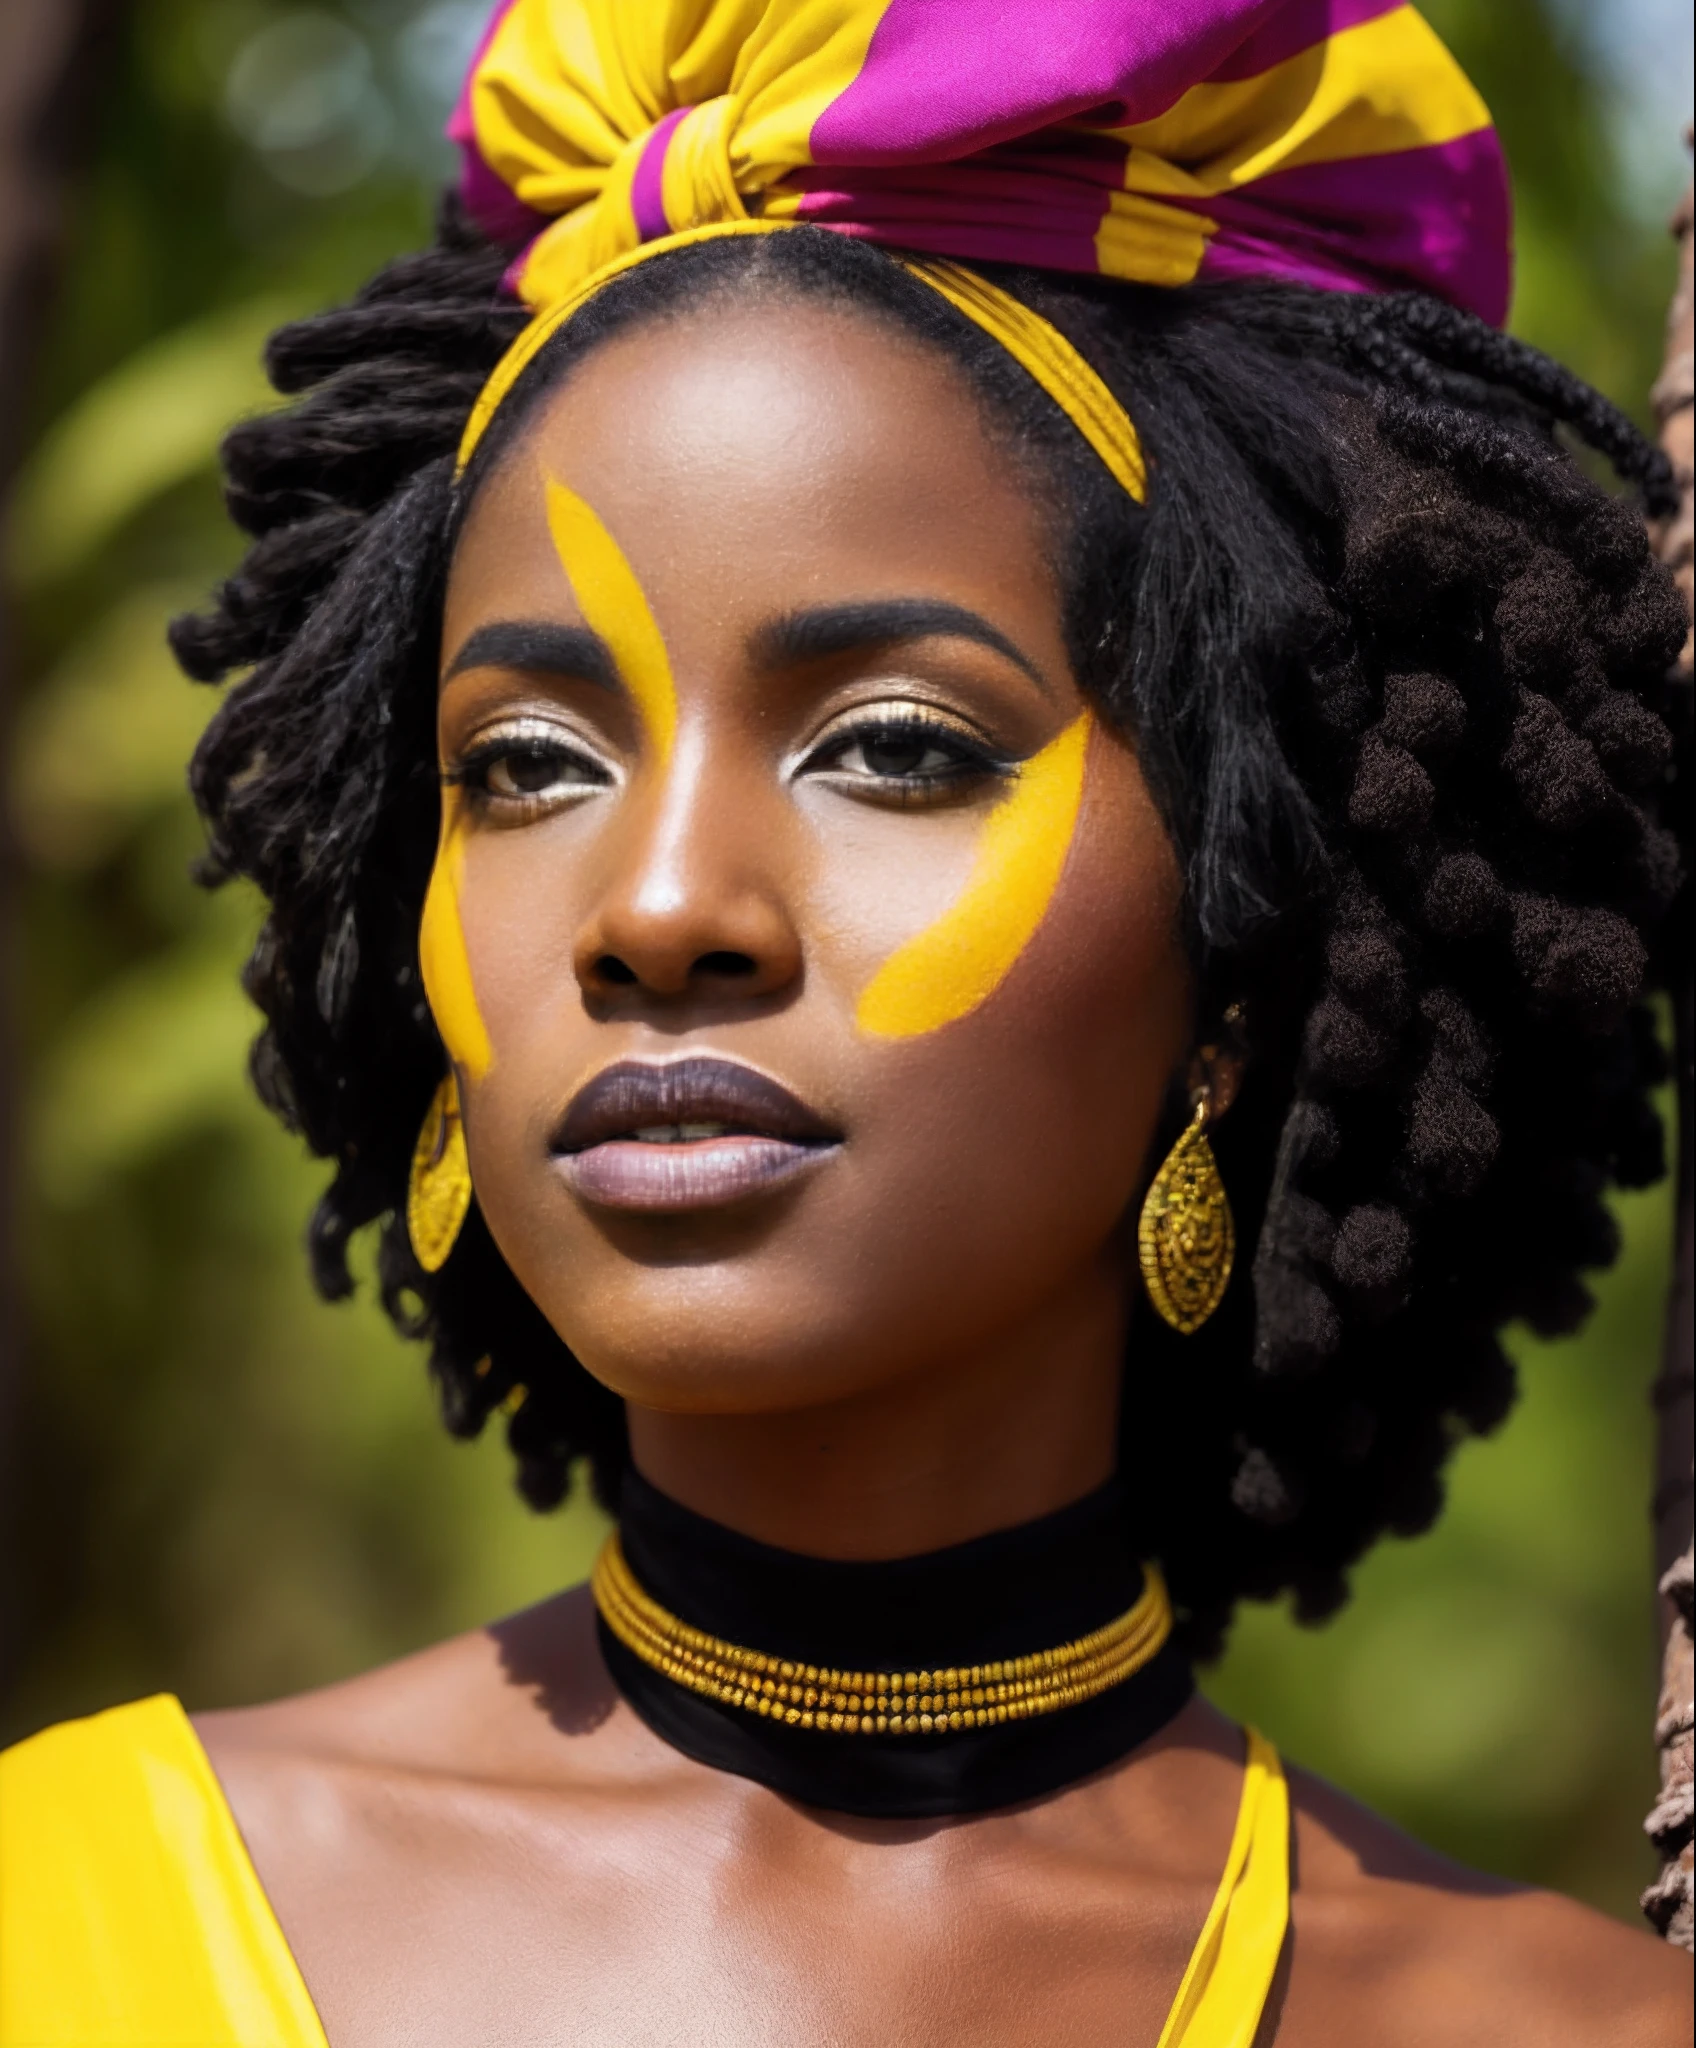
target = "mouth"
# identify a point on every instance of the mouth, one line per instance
(686, 1134)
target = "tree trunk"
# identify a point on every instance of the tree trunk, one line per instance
(1668, 1900)
(51, 53)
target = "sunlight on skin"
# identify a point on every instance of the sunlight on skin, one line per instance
(961, 959)
(933, 979)
(442, 955)
(956, 963)
(613, 604)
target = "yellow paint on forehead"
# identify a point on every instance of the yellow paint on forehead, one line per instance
(614, 606)
(441, 950)
(949, 968)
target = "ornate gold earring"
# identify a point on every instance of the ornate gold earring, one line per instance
(438, 1191)
(1185, 1236)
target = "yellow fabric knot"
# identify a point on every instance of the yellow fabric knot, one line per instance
(674, 175)
(634, 127)
(698, 184)
(1108, 136)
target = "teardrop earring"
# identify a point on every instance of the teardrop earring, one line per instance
(1185, 1236)
(438, 1190)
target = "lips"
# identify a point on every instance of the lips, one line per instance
(685, 1134)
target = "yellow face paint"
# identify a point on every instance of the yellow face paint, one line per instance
(613, 605)
(955, 963)
(441, 951)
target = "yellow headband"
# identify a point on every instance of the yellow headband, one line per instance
(1037, 347)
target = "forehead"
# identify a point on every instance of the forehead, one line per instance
(779, 442)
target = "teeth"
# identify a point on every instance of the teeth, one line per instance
(677, 1134)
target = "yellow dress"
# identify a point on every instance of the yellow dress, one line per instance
(131, 1915)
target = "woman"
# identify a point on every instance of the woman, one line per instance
(974, 927)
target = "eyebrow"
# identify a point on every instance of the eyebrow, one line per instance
(845, 628)
(540, 647)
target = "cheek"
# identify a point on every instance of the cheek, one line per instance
(521, 899)
(958, 962)
(1025, 1124)
(442, 955)
(1101, 1003)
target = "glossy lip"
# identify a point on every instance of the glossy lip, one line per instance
(769, 1135)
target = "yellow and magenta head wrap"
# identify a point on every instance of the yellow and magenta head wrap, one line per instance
(1329, 142)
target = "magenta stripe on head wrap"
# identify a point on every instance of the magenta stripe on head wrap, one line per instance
(941, 82)
(950, 224)
(1298, 25)
(1437, 219)
(647, 188)
(489, 200)
(1026, 202)
(496, 209)
(979, 129)
(459, 121)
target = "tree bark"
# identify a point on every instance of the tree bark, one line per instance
(51, 54)
(1668, 1900)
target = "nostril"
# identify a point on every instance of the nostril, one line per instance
(736, 966)
(609, 967)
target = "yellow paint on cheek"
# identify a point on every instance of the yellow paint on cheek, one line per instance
(955, 963)
(441, 951)
(613, 605)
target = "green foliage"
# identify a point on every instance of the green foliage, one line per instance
(1591, 281)
(232, 1490)
(1491, 1685)
(143, 428)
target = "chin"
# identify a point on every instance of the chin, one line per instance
(678, 1360)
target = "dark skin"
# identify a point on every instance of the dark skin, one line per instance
(917, 1340)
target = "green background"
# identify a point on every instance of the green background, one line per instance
(229, 1489)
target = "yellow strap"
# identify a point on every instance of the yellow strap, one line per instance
(1224, 1992)
(1039, 348)
(1044, 351)
(130, 1913)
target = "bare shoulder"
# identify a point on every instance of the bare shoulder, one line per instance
(438, 1837)
(488, 1708)
(1394, 1943)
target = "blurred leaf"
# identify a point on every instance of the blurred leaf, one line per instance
(151, 423)
(160, 1054)
(1490, 1684)
(105, 738)
(1469, 1691)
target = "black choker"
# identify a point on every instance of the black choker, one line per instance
(969, 1678)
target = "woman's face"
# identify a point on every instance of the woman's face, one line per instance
(807, 950)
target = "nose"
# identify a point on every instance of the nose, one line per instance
(694, 904)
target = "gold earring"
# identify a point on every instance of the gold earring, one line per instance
(1185, 1236)
(438, 1190)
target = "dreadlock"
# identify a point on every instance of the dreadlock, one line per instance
(1397, 673)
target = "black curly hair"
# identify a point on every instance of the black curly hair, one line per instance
(1398, 675)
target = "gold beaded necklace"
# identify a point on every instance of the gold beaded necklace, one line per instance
(877, 1702)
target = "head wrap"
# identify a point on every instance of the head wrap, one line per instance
(1329, 142)
(1334, 142)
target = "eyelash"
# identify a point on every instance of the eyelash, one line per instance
(973, 759)
(471, 773)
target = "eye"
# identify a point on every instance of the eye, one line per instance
(903, 754)
(531, 769)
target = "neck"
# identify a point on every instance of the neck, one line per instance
(996, 1434)
(948, 1681)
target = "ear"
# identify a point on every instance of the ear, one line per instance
(1217, 1067)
